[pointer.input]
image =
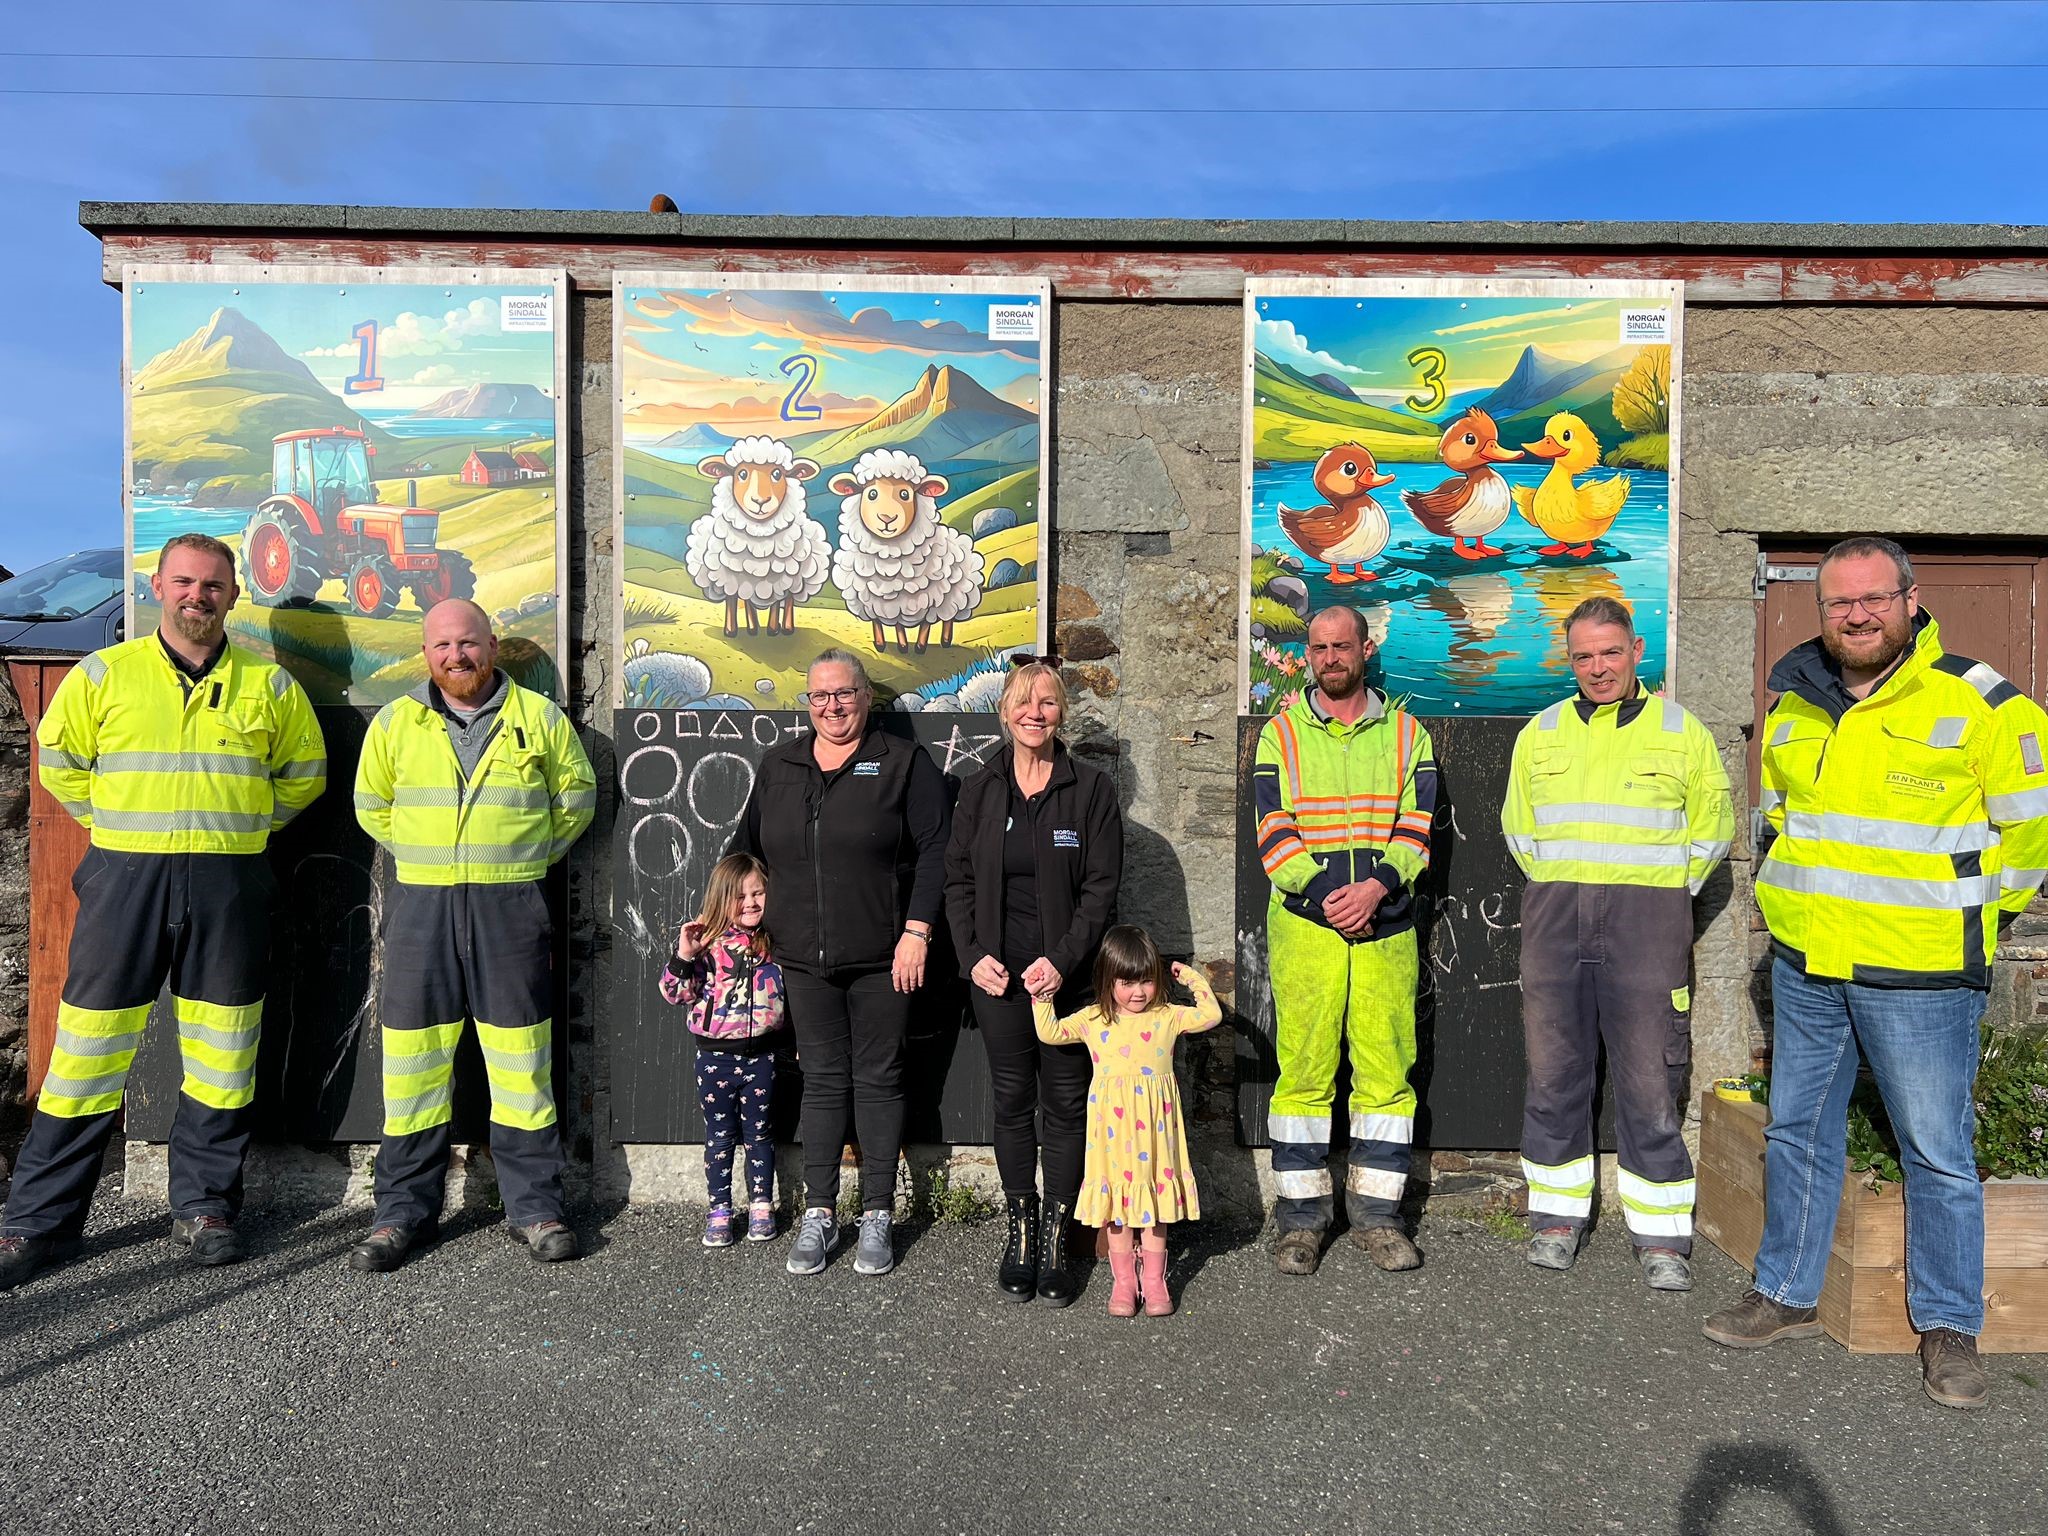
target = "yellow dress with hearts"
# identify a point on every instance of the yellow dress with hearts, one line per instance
(1137, 1165)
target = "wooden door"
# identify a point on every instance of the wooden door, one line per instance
(1985, 601)
(56, 843)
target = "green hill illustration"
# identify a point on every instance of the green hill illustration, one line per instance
(206, 410)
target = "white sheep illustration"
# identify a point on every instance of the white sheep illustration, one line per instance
(897, 564)
(757, 545)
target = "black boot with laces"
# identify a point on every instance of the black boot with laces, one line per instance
(1018, 1275)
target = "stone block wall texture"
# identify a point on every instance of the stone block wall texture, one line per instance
(15, 760)
(1798, 421)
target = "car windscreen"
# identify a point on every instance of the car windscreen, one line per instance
(64, 588)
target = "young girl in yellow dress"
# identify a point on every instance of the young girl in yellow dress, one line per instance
(1136, 1174)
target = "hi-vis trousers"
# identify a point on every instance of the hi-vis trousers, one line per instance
(1327, 991)
(455, 953)
(202, 922)
(1607, 963)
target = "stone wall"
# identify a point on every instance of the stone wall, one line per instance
(14, 768)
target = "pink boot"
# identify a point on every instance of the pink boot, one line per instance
(1152, 1267)
(1123, 1286)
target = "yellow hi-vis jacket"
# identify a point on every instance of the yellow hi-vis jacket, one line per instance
(1907, 821)
(530, 797)
(151, 767)
(1629, 793)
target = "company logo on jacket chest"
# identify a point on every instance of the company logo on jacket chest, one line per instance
(1914, 786)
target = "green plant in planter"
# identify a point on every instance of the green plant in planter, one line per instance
(2012, 1115)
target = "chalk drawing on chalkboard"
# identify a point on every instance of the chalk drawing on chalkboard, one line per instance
(965, 751)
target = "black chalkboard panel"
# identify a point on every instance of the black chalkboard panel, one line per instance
(684, 778)
(319, 1070)
(1469, 1065)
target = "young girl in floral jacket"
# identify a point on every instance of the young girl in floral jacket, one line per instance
(721, 972)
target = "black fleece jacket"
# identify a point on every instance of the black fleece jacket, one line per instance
(852, 855)
(1078, 851)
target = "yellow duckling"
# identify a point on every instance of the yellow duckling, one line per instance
(1571, 514)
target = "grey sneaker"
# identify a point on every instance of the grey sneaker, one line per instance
(1554, 1248)
(876, 1254)
(1665, 1269)
(816, 1236)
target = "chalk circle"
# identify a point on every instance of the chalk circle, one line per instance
(647, 725)
(675, 775)
(679, 846)
(718, 788)
(765, 731)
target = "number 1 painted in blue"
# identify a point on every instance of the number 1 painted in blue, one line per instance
(365, 380)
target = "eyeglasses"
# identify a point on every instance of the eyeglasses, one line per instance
(820, 697)
(1026, 659)
(1876, 604)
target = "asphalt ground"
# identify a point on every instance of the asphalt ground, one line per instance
(655, 1385)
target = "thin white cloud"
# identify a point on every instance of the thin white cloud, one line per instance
(1279, 339)
(1495, 322)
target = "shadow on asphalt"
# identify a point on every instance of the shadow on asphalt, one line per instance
(282, 1244)
(1771, 1469)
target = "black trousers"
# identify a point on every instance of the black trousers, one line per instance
(201, 922)
(1041, 1097)
(456, 954)
(850, 1028)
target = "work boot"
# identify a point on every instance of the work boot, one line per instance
(875, 1253)
(1152, 1282)
(1554, 1248)
(1755, 1320)
(817, 1234)
(1018, 1273)
(1665, 1269)
(550, 1242)
(1387, 1247)
(1298, 1252)
(387, 1246)
(23, 1258)
(212, 1239)
(1950, 1369)
(1123, 1283)
(1056, 1287)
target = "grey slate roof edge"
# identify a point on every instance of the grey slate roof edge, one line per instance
(514, 224)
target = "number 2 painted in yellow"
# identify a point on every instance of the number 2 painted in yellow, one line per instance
(1431, 363)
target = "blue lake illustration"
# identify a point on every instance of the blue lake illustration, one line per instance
(1484, 636)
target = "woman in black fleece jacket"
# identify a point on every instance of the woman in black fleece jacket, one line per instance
(852, 826)
(1032, 870)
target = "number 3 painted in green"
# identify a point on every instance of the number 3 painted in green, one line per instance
(1432, 362)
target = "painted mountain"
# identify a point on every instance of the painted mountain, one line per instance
(1542, 384)
(490, 402)
(944, 416)
(206, 410)
(697, 438)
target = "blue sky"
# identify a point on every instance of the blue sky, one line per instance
(1396, 109)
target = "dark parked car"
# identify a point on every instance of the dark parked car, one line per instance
(69, 606)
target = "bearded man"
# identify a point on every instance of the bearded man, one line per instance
(181, 753)
(1910, 797)
(475, 786)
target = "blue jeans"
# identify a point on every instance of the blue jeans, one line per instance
(1922, 1048)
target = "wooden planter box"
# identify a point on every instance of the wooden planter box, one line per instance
(1863, 1298)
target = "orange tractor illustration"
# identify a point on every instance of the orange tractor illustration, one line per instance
(322, 522)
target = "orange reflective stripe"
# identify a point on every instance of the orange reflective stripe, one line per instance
(1362, 797)
(1290, 756)
(1280, 853)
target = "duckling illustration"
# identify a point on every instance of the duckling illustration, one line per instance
(1572, 514)
(1466, 508)
(1352, 528)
